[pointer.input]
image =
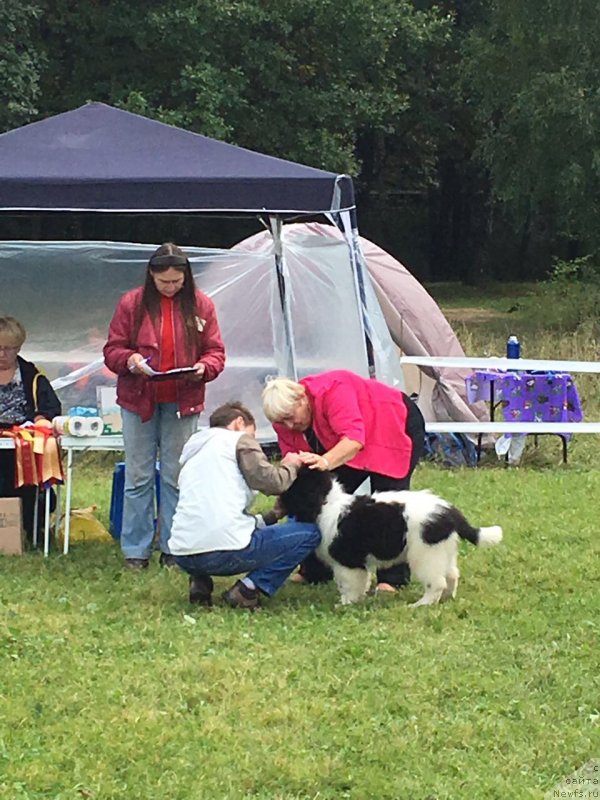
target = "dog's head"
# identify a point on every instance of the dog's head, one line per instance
(307, 494)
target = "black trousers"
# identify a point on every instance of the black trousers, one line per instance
(26, 493)
(312, 568)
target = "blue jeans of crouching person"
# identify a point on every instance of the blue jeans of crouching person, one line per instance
(272, 555)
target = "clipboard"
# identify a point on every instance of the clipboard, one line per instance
(172, 374)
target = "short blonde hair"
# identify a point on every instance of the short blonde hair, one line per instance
(11, 328)
(279, 398)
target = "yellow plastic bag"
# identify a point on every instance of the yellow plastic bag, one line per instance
(84, 527)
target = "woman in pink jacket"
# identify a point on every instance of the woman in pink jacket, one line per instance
(356, 427)
(165, 324)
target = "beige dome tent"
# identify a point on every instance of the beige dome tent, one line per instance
(415, 321)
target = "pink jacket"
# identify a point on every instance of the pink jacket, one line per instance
(367, 411)
(135, 392)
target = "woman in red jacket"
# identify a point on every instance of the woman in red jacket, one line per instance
(165, 324)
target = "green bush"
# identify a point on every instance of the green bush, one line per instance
(569, 299)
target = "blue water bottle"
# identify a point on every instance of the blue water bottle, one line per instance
(513, 347)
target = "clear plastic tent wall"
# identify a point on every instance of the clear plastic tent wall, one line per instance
(324, 294)
(65, 293)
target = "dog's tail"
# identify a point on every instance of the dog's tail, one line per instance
(488, 537)
(480, 537)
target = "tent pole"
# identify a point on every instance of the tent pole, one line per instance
(358, 267)
(290, 370)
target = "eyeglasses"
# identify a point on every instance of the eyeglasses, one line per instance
(4, 349)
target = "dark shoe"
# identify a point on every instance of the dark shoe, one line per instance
(136, 563)
(201, 587)
(396, 576)
(167, 560)
(240, 596)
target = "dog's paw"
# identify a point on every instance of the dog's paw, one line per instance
(346, 600)
(425, 601)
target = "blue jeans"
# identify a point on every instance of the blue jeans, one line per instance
(164, 433)
(271, 556)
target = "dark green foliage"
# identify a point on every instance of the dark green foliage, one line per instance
(299, 80)
(471, 127)
(532, 73)
(20, 62)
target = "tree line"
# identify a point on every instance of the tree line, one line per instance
(471, 127)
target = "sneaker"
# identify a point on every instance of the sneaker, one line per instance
(167, 560)
(136, 563)
(201, 587)
(240, 596)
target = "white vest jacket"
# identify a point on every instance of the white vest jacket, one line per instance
(212, 511)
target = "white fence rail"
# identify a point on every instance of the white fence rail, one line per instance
(508, 364)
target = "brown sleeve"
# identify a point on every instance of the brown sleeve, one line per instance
(258, 471)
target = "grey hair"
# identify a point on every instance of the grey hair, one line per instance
(280, 397)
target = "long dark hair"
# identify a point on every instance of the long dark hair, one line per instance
(169, 256)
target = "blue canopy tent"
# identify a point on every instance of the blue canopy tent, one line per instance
(101, 159)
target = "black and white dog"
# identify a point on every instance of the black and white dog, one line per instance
(364, 532)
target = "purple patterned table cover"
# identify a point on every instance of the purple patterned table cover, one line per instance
(525, 397)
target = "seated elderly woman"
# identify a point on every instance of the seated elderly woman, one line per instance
(356, 427)
(25, 395)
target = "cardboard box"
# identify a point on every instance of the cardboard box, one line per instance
(11, 526)
(106, 400)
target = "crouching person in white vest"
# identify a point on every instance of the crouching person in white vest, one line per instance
(213, 533)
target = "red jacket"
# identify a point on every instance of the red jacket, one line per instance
(361, 409)
(135, 392)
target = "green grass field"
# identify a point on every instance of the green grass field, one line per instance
(112, 686)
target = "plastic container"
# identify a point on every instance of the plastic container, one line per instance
(513, 347)
(82, 411)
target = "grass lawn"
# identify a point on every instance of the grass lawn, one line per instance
(112, 686)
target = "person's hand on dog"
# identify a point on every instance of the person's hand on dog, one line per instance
(292, 458)
(314, 461)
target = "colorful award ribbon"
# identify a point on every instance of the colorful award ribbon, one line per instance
(37, 455)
